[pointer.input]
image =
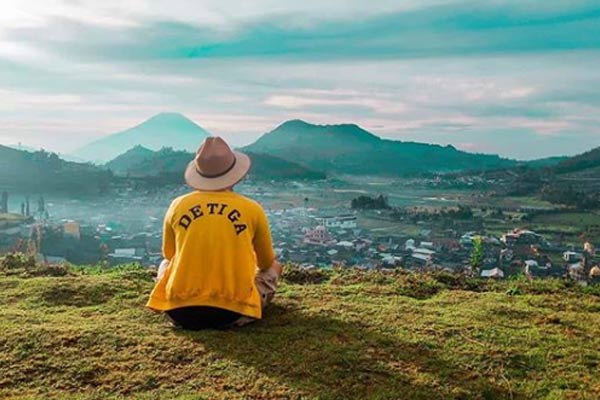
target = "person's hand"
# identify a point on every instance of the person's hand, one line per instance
(162, 269)
(277, 267)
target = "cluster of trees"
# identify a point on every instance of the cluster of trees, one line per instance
(86, 250)
(528, 181)
(568, 196)
(590, 159)
(462, 212)
(370, 203)
(46, 172)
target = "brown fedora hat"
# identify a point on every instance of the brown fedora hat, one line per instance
(216, 166)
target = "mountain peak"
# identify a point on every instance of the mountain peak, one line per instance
(299, 123)
(166, 129)
(302, 130)
(138, 148)
(169, 119)
(294, 123)
(350, 149)
(168, 116)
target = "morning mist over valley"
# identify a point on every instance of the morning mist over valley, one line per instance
(299, 200)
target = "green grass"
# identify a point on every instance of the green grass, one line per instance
(573, 219)
(329, 335)
(383, 226)
(516, 202)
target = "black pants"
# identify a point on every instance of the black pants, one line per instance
(202, 317)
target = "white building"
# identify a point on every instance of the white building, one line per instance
(531, 263)
(492, 273)
(127, 252)
(423, 255)
(338, 222)
(571, 256)
(468, 238)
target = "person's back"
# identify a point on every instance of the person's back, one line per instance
(214, 241)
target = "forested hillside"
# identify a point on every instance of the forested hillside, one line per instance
(46, 172)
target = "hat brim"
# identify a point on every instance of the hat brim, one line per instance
(233, 176)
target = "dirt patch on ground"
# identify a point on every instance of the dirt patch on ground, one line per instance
(77, 294)
(305, 276)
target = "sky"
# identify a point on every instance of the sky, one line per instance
(516, 78)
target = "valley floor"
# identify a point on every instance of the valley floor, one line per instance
(329, 335)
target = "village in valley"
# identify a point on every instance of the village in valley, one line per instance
(327, 224)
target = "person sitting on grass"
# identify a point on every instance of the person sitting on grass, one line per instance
(219, 267)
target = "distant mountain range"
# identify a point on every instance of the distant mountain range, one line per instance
(42, 172)
(162, 130)
(349, 149)
(338, 149)
(164, 144)
(331, 149)
(169, 164)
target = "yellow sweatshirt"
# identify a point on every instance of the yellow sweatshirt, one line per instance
(215, 241)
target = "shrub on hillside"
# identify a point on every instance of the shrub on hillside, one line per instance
(26, 266)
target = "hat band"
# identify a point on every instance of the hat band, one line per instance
(216, 175)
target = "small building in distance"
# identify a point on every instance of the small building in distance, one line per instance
(319, 236)
(572, 256)
(496, 273)
(576, 272)
(422, 256)
(127, 255)
(72, 229)
(524, 237)
(346, 221)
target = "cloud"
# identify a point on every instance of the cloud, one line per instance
(437, 71)
(462, 28)
(326, 100)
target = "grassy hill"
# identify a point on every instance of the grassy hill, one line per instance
(84, 334)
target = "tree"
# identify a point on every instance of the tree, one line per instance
(370, 203)
(477, 254)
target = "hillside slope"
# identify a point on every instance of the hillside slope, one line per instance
(587, 160)
(354, 335)
(162, 130)
(130, 159)
(350, 149)
(43, 171)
